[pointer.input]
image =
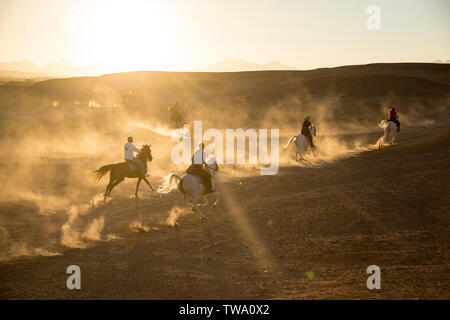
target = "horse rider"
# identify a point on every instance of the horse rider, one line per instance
(129, 150)
(305, 130)
(393, 116)
(198, 160)
(175, 116)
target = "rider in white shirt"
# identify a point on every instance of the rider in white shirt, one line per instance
(129, 150)
(200, 155)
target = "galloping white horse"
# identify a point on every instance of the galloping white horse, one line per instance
(301, 142)
(188, 185)
(390, 132)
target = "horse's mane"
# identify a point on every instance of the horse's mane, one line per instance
(140, 155)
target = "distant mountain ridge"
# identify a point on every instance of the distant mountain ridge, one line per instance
(442, 61)
(60, 68)
(13, 74)
(233, 65)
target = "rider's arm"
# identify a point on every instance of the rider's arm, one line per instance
(135, 149)
(204, 156)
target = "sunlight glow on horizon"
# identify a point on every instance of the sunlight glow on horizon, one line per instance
(182, 35)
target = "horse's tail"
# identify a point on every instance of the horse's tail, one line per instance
(383, 124)
(169, 183)
(102, 171)
(292, 139)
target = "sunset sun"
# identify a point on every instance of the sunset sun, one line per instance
(120, 36)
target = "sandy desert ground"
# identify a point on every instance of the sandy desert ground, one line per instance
(308, 232)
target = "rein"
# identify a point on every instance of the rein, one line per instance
(143, 157)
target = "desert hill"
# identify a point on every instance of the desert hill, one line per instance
(363, 92)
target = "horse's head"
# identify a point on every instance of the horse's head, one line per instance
(313, 130)
(147, 152)
(211, 164)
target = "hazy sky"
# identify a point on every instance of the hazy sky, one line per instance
(185, 34)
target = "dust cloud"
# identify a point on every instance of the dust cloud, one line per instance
(55, 133)
(175, 213)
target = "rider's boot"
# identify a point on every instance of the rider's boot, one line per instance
(208, 186)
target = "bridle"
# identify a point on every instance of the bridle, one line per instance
(214, 166)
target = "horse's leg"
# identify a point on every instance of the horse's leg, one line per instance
(119, 180)
(313, 152)
(205, 204)
(216, 199)
(301, 157)
(194, 202)
(298, 153)
(195, 207)
(106, 190)
(148, 183)
(393, 136)
(137, 187)
(111, 180)
(186, 196)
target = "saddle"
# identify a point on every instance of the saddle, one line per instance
(192, 171)
(132, 166)
(394, 121)
(198, 177)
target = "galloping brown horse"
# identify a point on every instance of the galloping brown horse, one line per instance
(120, 171)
